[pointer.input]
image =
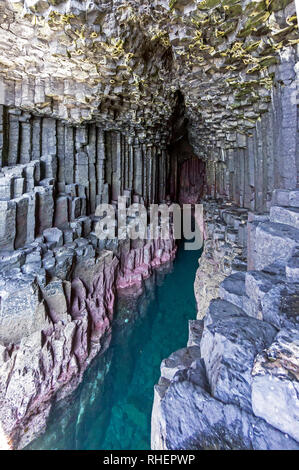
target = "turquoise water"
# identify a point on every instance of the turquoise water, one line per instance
(111, 409)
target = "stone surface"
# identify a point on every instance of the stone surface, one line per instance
(57, 300)
(241, 392)
(274, 242)
(232, 289)
(186, 416)
(195, 332)
(233, 62)
(229, 344)
(275, 386)
(286, 198)
(221, 256)
(285, 215)
(179, 360)
(292, 267)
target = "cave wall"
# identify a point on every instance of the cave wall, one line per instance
(248, 170)
(52, 173)
(57, 279)
(191, 181)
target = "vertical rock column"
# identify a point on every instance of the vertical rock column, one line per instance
(126, 163)
(249, 199)
(36, 138)
(150, 173)
(116, 165)
(91, 152)
(145, 180)
(81, 162)
(131, 162)
(154, 158)
(13, 137)
(210, 178)
(49, 138)
(25, 138)
(7, 224)
(138, 168)
(61, 164)
(102, 190)
(69, 154)
(2, 134)
(162, 173)
(285, 115)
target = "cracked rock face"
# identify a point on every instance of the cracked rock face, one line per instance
(49, 333)
(276, 371)
(48, 359)
(229, 345)
(187, 416)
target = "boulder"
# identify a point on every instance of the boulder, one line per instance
(280, 306)
(285, 215)
(21, 309)
(179, 360)
(186, 416)
(195, 332)
(275, 384)
(53, 236)
(274, 242)
(232, 289)
(229, 344)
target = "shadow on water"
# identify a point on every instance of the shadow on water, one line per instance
(111, 409)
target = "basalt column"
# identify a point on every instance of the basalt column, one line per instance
(58, 279)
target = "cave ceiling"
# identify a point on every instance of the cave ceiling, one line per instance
(120, 63)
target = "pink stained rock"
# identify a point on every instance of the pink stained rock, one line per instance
(192, 177)
(49, 364)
